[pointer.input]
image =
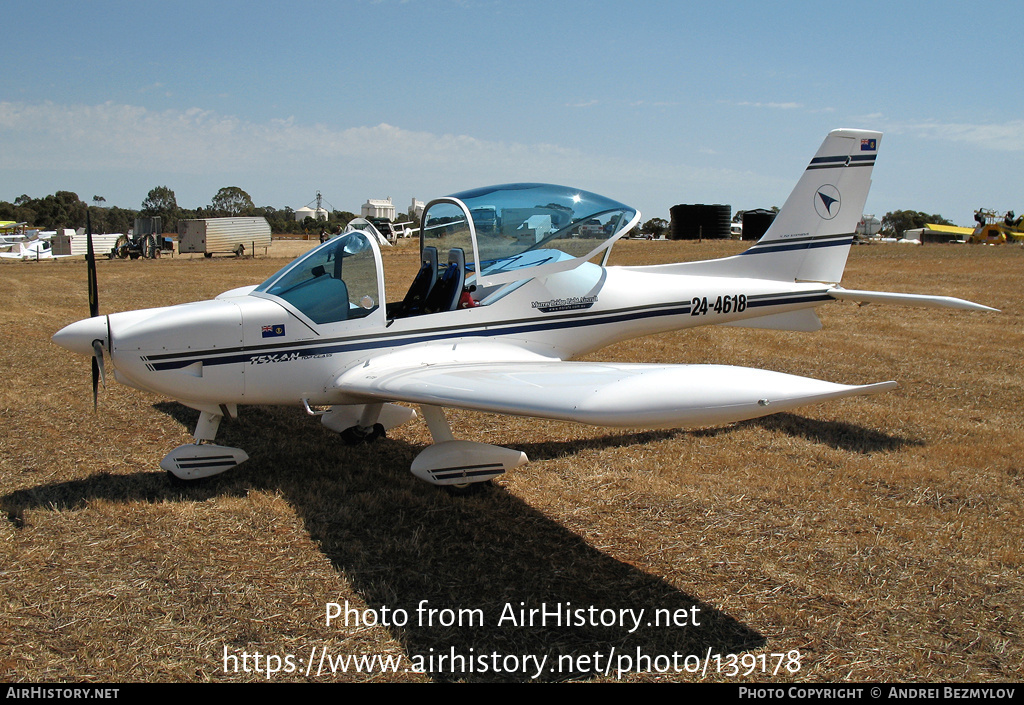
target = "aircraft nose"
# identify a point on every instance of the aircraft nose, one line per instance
(78, 336)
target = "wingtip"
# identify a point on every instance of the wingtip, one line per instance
(879, 387)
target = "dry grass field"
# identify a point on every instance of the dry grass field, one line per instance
(881, 538)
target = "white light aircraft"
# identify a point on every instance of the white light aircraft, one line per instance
(492, 325)
(33, 250)
(11, 233)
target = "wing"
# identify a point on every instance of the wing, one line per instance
(598, 393)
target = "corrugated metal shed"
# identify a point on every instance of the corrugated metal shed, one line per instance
(223, 235)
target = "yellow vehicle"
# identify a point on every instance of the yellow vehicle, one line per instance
(993, 229)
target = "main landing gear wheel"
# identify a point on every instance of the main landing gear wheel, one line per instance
(467, 489)
(182, 482)
(179, 482)
(355, 435)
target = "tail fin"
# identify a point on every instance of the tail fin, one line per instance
(811, 236)
(815, 227)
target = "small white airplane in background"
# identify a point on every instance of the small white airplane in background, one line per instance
(11, 233)
(492, 326)
(32, 250)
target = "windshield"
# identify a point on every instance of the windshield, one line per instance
(525, 225)
(336, 281)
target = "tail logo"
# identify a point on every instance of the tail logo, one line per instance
(827, 202)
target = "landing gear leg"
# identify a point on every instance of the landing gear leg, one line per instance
(437, 422)
(206, 428)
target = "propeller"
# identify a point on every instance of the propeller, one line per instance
(98, 373)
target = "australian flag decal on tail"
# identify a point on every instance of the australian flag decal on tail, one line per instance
(869, 145)
(274, 331)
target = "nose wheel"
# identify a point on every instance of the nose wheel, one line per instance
(357, 435)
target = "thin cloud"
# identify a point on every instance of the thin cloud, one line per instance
(111, 138)
(1000, 137)
(654, 104)
(774, 106)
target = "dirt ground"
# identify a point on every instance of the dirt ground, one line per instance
(870, 539)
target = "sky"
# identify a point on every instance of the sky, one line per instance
(650, 103)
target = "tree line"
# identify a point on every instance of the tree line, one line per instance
(895, 223)
(64, 209)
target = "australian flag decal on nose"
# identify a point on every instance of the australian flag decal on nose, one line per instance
(274, 331)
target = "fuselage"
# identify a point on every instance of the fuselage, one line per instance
(525, 254)
(254, 349)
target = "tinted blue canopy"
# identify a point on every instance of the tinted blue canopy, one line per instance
(510, 227)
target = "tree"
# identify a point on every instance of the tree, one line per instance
(75, 207)
(60, 210)
(343, 217)
(19, 213)
(117, 220)
(160, 201)
(895, 223)
(655, 227)
(231, 201)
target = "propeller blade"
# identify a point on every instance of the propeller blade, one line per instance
(98, 372)
(97, 357)
(95, 383)
(90, 260)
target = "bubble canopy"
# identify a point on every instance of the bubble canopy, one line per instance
(338, 281)
(507, 233)
(506, 229)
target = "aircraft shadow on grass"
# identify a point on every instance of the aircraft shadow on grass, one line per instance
(398, 542)
(835, 434)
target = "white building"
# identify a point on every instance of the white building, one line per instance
(375, 208)
(416, 209)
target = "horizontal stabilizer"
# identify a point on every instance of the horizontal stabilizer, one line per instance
(923, 300)
(601, 394)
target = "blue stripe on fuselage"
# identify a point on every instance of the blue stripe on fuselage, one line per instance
(803, 244)
(173, 361)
